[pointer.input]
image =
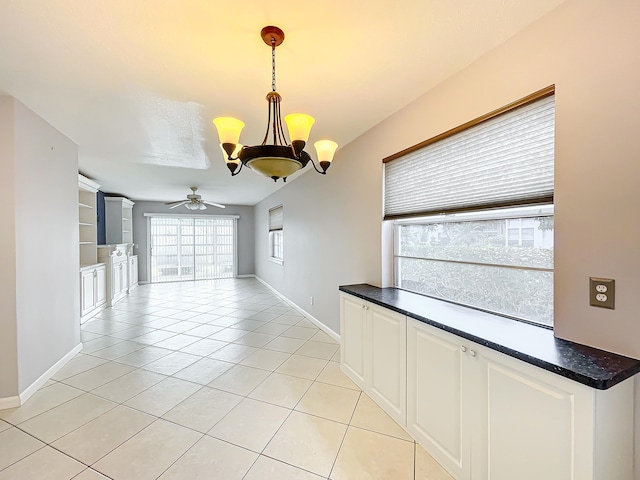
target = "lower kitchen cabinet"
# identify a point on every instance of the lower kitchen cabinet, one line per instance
(374, 353)
(132, 272)
(537, 425)
(92, 290)
(116, 257)
(437, 396)
(485, 415)
(353, 318)
(481, 414)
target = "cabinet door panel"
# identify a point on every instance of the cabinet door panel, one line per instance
(133, 270)
(435, 394)
(387, 373)
(87, 298)
(101, 285)
(527, 432)
(352, 331)
(123, 277)
(117, 280)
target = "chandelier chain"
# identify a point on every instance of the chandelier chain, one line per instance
(273, 65)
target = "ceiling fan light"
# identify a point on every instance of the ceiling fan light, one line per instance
(228, 129)
(299, 126)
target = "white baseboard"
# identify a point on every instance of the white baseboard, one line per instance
(46, 376)
(306, 314)
(12, 402)
(247, 275)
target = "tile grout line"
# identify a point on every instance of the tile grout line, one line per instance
(136, 368)
(346, 430)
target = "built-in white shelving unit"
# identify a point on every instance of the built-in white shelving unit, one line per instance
(92, 273)
(87, 190)
(119, 220)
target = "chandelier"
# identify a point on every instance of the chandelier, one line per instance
(277, 159)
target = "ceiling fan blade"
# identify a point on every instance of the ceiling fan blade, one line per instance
(213, 204)
(178, 204)
(174, 203)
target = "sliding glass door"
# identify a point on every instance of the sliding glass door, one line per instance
(191, 248)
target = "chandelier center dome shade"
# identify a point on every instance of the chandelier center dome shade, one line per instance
(277, 159)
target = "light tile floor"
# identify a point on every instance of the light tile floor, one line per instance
(205, 380)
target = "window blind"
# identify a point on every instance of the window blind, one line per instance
(505, 160)
(275, 218)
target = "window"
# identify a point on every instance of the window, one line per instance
(478, 259)
(276, 235)
(191, 247)
(473, 212)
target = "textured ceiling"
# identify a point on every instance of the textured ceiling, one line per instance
(136, 83)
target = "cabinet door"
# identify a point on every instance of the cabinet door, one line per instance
(123, 277)
(101, 285)
(533, 424)
(116, 279)
(87, 294)
(133, 270)
(385, 372)
(435, 396)
(352, 332)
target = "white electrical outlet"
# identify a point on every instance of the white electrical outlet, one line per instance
(311, 300)
(601, 297)
(601, 288)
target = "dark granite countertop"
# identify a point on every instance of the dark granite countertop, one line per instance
(529, 343)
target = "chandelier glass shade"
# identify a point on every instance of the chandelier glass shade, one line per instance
(278, 159)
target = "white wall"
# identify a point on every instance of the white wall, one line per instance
(8, 332)
(331, 234)
(245, 232)
(40, 173)
(47, 260)
(589, 50)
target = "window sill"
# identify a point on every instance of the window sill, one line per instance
(276, 260)
(532, 344)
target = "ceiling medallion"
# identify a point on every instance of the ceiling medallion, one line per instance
(278, 159)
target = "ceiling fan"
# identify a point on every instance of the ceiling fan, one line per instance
(194, 202)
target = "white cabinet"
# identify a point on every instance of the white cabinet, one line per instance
(559, 429)
(92, 290)
(132, 272)
(352, 333)
(484, 415)
(100, 279)
(435, 396)
(118, 279)
(481, 414)
(119, 220)
(385, 368)
(92, 274)
(87, 292)
(374, 353)
(116, 258)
